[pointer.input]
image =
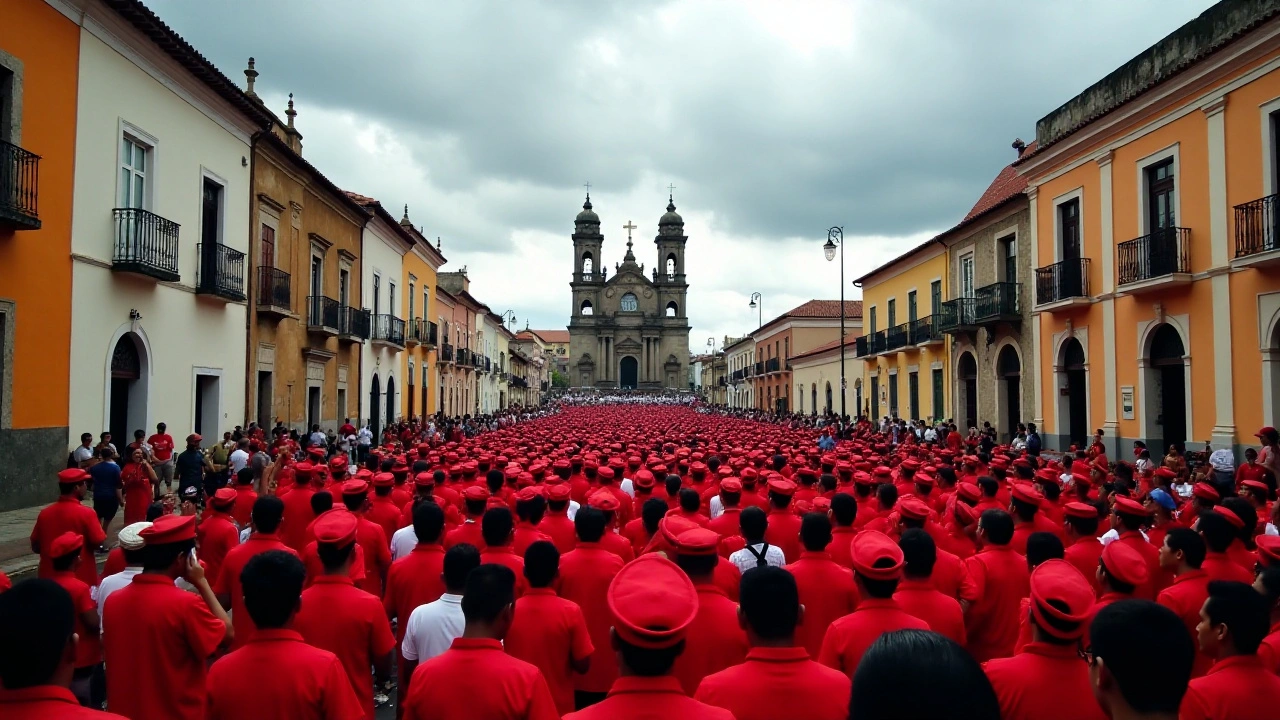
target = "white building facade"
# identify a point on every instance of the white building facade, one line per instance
(159, 235)
(382, 261)
(740, 358)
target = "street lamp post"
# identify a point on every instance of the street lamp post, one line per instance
(509, 318)
(757, 301)
(835, 237)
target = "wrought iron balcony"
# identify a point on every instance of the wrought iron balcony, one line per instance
(1154, 260)
(462, 356)
(924, 331)
(446, 353)
(896, 336)
(146, 244)
(220, 271)
(861, 346)
(772, 365)
(957, 315)
(322, 315)
(388, 330)
(1258, 231)
(354, 323)
(274, 293)
(737, 377)
(590, 277)
(759, 368)
(877, 342)
(19, 188)
(997, 302)
(1063, 283)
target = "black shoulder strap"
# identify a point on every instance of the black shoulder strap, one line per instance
(760, 556)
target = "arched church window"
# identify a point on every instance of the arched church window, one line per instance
(586, 264)
(629, 303)
(672, 310)
(671, 267)
(586, 308)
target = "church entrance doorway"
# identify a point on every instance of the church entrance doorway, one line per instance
(629, 373)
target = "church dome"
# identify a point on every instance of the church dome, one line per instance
(587, 215)
(671, 217)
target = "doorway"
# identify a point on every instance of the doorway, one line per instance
(967, 370)
(391, 400)
(375, 407)
(313, 407)
(207, 412)
(1077, 392)
(264, 399)
(1166, 385)
(1009, 378)
(127, 403)
(629, 370)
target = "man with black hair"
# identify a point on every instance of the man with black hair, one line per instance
(36, 617)
(268, 512)
(1128, 518)
(1238, 551)
(369, 536)
(297, 507)
(1233, 623)
(843, 513)
(431, 628)
(67, 514)
(556, 523)
(474, 678)
(1002, 578)
(1041, 548)
(715, 641)
(754, 524)
(498, 529)
(1268, 585)
(530, 507)
(688, 505)
(475, 501)
(778, 678)
(341, 618)
(826, 589)
(66, 557)
(1080, 533)
(645, 525)
(1181, 555)
(306, 682)
(918, 596)
(1219, 529)
(549, 632)
(783, 530)
(671, 489)
(162, 637)
(585, 575)
(726, 523)
(1124, 638)
(418, 577)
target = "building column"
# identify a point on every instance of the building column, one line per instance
(1223, 434)
(1037, 413)
(1110, 423)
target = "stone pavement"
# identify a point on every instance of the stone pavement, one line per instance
(16, 558)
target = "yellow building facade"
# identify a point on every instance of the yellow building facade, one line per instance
(422, 333)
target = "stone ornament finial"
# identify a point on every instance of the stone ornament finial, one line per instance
(250, 75)
(291, 113)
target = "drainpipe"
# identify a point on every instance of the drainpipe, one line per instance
(249, 353)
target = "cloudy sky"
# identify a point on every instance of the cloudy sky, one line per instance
(773, 119)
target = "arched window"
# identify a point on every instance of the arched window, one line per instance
(672, 310)
(586, 308)
(671, 267)
(629, 303)
(586, 263)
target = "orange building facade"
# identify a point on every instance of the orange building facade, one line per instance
(1156, 243)
(39, 72)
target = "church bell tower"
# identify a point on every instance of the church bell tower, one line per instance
(669, 275)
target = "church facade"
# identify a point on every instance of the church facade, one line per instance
(629, 331)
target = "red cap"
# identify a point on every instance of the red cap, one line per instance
(883, 471)
(1205, 491)
(1026, 493)
(194, 438)
(71, 476)
(782, 486)
(336, 527)
(1266, 430)
(910, 465)
(1124, 563)
(66, 543)
(558, 493)
(862, 477)
(731, 485)
(698, 541)
(913, 508)
(652, 601)
(225, 496)
(643, 479)
(338, 462)
(671, 527)
(603, 501)
(1229, 515)
(527, 494)
(923, 479)
(821, 504)
(605, 473)
(170, 529)
(382, 480)
(1256, 485)
(1080, 510)
(302, 472)
(968, 491)
(355, 487)
(870, 547)
(965, 514)
(1129, 506)
(424, 479)
(1268, 550)
(1164, 472)
(1047, 475)
(475, 493)
(1056, 582)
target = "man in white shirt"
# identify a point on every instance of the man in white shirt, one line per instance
(754, 522)
(433, 627)
(132, 544)
(239, 457)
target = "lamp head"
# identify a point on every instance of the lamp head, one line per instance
(829, 249)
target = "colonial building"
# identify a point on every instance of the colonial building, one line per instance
(459, 373)
(557, 344)
(161, 220)
(740, 361)
(537, 364)
(798, 330)
(629, 331)
(422, 333)
(817, 374)
(1154, 235)
(39, 52)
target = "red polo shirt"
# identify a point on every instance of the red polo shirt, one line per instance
(642, 698)
(951, 578)
(228, 582)
(585, 574)
(47, 702)
(339, 617)
(506, 556)
(315, 566)
(384, 513)
(89, 649)
(298, 516)
(1157, 579)
(1044, 681)
(468, 532)
(728, 578)
(164, 637)
(849, 637)
(827, 592)
(68, 515)
(377, 554)
(307, 683)
(242, 509)
(1235, 688)
(784, 532)
(1185, 597)
(1002, 579)
(547, 632)
(778, 683)
(413, 580)
(115, 563)
(1083, 556)
(526, 534)
(560, 529)
(727, 523)
(841, 544)
(713, 642)
(474, 678)
(1219, 566)
(1269, 650)
(920, 598)
(216, 535)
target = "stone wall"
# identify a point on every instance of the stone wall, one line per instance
(30, 460)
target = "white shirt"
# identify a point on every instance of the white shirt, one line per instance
(112, 583)
(627, 487)
(403, 541)
(318, 439)
(82, 453)
(432, 628)
(1112, 535)
(744, 560)
(365, 436)
(238, 460)
(717, 507)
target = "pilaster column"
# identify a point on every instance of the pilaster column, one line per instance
(1224, 429)
(1110, 423)
(1033, 194)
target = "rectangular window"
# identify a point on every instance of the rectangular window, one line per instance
(1009, 258)
(786, 348)
(938, 409)
(377, 290)
(135, 164)
(211, 215)
(344, 287)
(1160, 198)
(911, 306)
(913, 395)
(411, 299)
(391, 298)
(873, 319)
(935, 297)
(268, 247)
(893, 396)
(893, 313)
(966, 276)
(1069, 229)
(317, 275)
(425, 295)
(875, 398)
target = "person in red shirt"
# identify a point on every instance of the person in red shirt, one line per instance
(1121, 570)
(1048, 678)
(297, 508)
(778, 678)
(585, 574)
(163, 637)
(640, 531)
(498, 531)
(375, 544)
(651, 603)
(608, 503)
(556, 523)
(217, 533)
(1182, 554)
(1025, 507)
(784, 525)
(67, 514)
(916, 594)
(66, 556)
(877, 567)
(38, 617)
(1002, 578)
(474, 678)
(1233, 623)
(715, 640)
(826, 589)
(267, 514)
(726, 523)
(306, 682)
(843, 513)
(530, 507)
(549, 632)
(383, 511)
(162, 448)
(1128, 516)
(1220, 528)
(417, 578)
(1080, 527)
(242, 509)
(337, 616)
(475, 498)
(1123, 640)
(1268, 585)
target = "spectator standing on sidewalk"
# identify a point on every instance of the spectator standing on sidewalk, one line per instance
(162, 447)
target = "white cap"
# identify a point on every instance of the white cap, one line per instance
(129, 536)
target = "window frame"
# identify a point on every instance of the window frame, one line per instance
(151, 152)
(1143, 178)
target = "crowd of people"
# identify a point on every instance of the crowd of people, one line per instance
(646, 559)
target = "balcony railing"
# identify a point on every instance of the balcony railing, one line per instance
(957, 314)
(388, 329)
(924, 330)
(861, 346)
(759, 368)
(274, 291)
(146, 244)
(19, 187)
(421, 332)
(591, 277)
(896, 336)
(737, 376)
(772, 365)
(446, 353)
(1062, 281)
(997, 301)
(322, 314)
(353, 323)
(220, 272)
(1152, 256)
(462, 357)
(1256, 226)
